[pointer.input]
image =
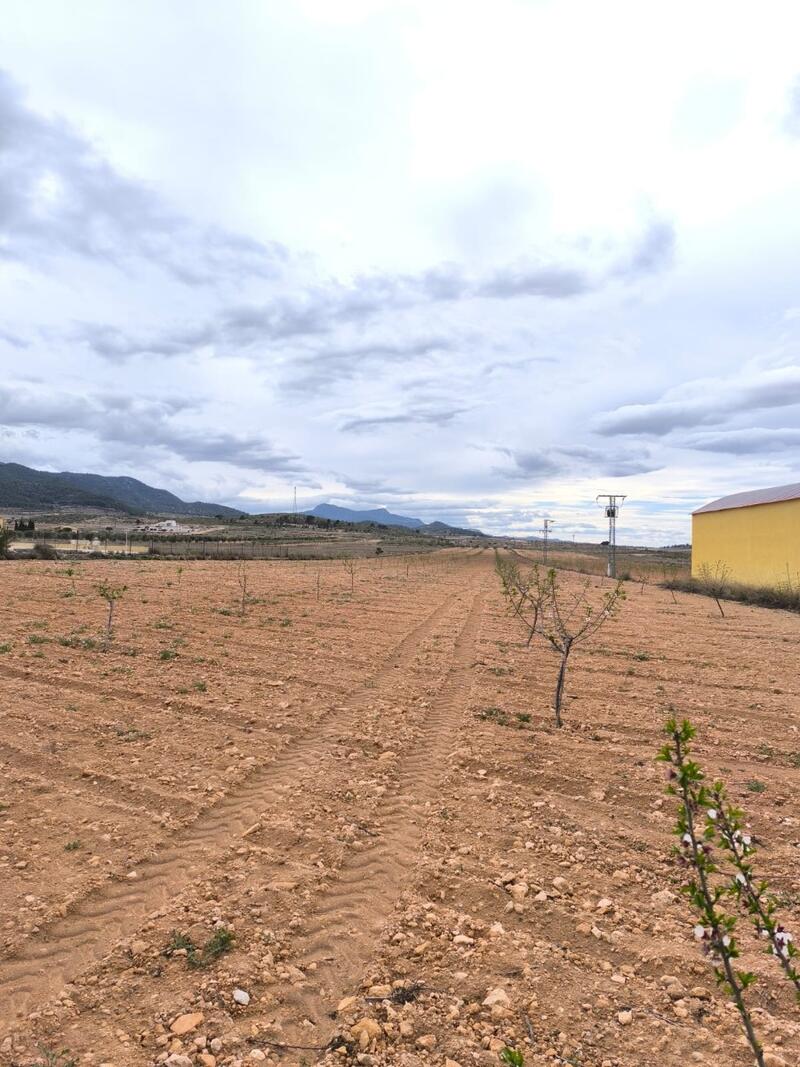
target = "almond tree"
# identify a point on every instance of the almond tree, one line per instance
(111, 594)
(716, 929)
(569, 619)
(526, 593)
(714, 581)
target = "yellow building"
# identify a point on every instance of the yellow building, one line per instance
(756, 535)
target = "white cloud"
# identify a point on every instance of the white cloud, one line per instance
(463, 260)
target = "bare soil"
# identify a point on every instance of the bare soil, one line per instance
(355, 810)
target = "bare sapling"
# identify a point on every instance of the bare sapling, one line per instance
(525, 593)
(350, 566)
(569, 619)
(706, 886)
(242, 577)
(111, 594)
(714, 581)
(667, 575)
(317, 585)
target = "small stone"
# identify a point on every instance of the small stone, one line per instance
(346, 1003)
(257, 1055)
(496, 996)
(242, 997)
(184, 1024)
(625, 1018)
(427, 1041)
(604, 905)
(206, 1059)
(462, 939)
(281, 887)
(365, 1026)
(138, 947)
(662, 899)
(379, 991)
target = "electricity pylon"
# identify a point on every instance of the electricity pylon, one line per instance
(612, 510)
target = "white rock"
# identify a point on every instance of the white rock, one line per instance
(241, 997)
(496, 996)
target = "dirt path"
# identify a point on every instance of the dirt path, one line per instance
(346, 920)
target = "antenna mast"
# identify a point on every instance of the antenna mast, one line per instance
(614, 503)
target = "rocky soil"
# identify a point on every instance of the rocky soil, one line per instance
(341, 827)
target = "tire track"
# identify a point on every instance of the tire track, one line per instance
(43, 965)
(349, 916)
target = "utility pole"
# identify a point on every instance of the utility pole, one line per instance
(546, 524)
(295, 500)
(614, 503)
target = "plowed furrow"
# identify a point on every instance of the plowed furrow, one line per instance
(349, 916)
(43, 965)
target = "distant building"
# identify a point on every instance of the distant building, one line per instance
(166, 526)
(755, 534)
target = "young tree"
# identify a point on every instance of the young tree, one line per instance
(526, 593)
(111, 594)
(716, 929)
(714, 581)
(569, 619)
(668, 576)
(241, 577)
(350, 566)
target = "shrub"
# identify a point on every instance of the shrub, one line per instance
(41, 550)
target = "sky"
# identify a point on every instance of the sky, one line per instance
(472, 261)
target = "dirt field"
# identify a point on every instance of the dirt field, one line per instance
(226, 835)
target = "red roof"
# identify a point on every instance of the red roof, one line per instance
(756, 496)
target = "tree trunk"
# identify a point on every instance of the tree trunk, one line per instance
(562, 673)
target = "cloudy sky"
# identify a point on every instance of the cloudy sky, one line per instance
(470, 260)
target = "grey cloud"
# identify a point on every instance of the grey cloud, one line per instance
(553, 282)
(746, 442)
(57, 195)
(313, 371)
(653, 252)
(319, 309)
(143, 423)
(12, 339)
(530, 465)
(704, 402)
(430, 417)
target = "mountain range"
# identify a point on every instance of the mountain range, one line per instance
(26, 487)
(387, 518)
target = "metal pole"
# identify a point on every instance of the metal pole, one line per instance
(612, 546)
(612, 509)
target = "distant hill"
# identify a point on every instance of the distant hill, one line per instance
(25, 487)
(380, 515)
(387, 518)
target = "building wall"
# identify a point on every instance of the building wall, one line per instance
(759, 543)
